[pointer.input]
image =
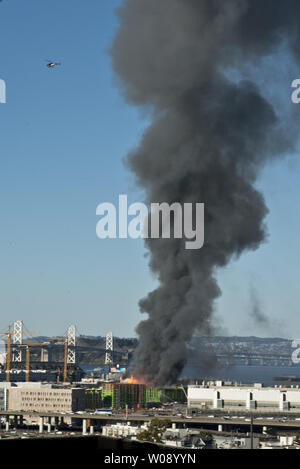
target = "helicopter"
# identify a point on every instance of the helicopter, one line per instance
(51, 64)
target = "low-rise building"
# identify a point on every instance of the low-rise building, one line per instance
(121, 430)
(282, 442)
(244, 398)
(49, 398)
(183, 438)
(236, 442)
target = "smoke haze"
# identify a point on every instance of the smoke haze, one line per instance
(207, 141)
(256, 310)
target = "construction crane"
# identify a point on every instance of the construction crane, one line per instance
(8, 334)
(65, 342)
(27, 363)
(28, 346)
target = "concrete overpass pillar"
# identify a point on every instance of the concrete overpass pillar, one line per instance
(91, 429)
(220, 428)
(84, 426)
(7, 423)
(250, 403)
(41, 425)
(284, 405)
(218, 402)
(48, 424)
(265, 430)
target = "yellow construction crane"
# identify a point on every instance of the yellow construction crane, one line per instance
(65, 341)
(28, 346)
(8, 334)
(8, 350)
(27, 363)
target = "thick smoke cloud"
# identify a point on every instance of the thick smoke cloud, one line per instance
(207, 141)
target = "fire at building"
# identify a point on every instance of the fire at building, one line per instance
(131, 395)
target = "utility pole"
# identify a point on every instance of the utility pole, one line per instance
(8, 347)
(66, 361)
(184, 391)
(66, 341)
(251, 431)
(8, 356)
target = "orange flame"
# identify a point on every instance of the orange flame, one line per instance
(134, 380)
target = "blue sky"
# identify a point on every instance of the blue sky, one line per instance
(64, 134)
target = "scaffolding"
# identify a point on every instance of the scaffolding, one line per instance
(164, 395)
(122, 396)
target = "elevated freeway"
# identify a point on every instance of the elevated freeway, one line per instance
(283, 422)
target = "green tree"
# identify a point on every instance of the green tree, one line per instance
(206, 437)
(297, 437)
(155, 431)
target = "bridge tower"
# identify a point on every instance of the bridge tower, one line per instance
(71, 343)
(109, 349)
(17, 339)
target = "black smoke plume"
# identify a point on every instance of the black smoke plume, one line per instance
(208, 139)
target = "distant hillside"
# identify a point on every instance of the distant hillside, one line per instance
(91, 349)
(247, 345)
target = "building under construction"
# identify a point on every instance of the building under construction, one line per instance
(122, 395)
